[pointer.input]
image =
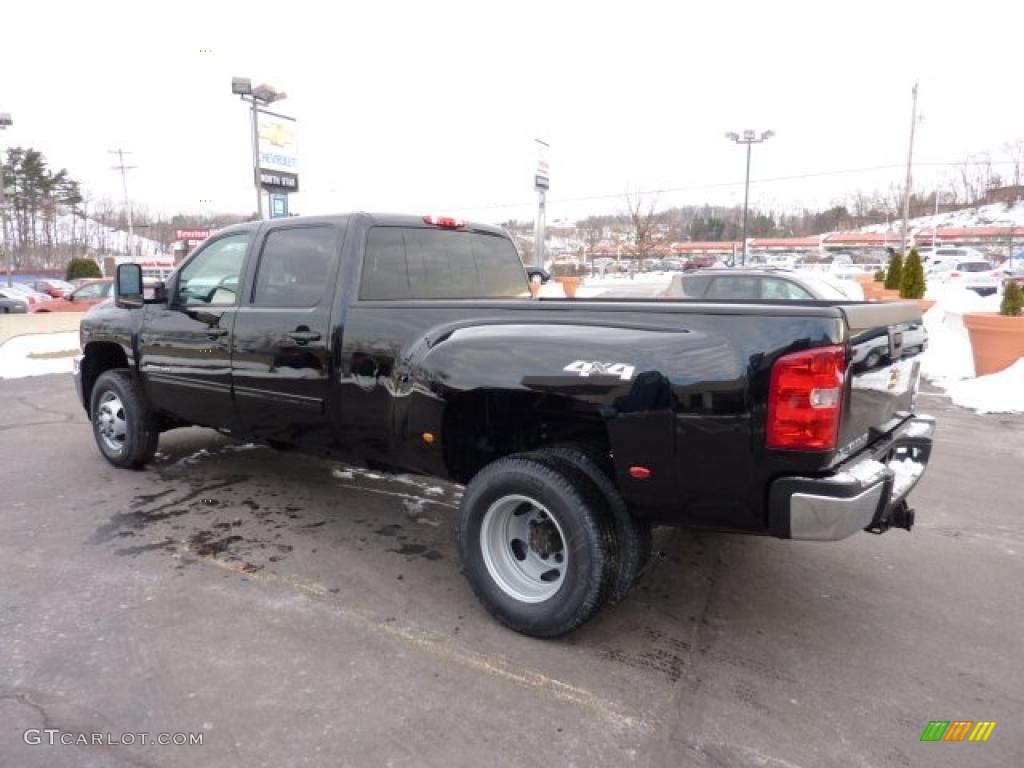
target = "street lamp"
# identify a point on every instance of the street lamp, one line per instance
(260, 96)
(5, 122)
(749, 138)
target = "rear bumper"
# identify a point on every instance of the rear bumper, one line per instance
(868, 493)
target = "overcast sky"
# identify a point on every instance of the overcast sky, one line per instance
(433, 106)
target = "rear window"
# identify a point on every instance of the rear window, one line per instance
(687, 287)
(414, 263)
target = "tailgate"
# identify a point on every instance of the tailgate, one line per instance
(886, 341)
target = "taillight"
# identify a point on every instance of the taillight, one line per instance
(444, 221)
(805, 400)
(954, 274)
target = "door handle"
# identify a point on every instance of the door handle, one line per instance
(304, 337)
(213, 333)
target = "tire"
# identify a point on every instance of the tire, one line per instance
(560, 568)
(633, 536)
(872, 360)
(121, 423)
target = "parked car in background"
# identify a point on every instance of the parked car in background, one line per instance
(935, 259)
(974, 275)
(12, 302)
(84, 297)
(56, 289)
(1012, 276)
(752, 285)
(35, 298)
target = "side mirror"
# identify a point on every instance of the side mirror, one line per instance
(128, 286)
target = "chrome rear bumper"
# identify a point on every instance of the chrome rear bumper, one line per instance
(869, 493)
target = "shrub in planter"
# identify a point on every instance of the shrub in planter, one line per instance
(997, 340)
(912, 282)
(1012, 304)
(880, 276)
(894, 273)
(82, 268)
(569, 275)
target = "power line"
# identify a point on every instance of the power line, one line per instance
(726, 184)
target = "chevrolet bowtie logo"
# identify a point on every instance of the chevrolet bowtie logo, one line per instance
(277, 134)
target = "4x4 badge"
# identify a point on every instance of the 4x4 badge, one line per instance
(597, 368)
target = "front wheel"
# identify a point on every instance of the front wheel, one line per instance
(537, 544)
(121, 422)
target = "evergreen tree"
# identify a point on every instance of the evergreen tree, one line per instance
(912, 282)
(1012, 304)
(894, 273)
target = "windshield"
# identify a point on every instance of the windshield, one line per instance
(974, 266)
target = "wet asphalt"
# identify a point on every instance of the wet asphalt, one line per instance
(298, 612)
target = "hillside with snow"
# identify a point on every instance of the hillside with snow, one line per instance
(993, 215)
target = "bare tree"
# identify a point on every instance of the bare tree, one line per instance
(1015, 149)
(643, 220)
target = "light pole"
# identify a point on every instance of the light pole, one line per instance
(5, 122)
(260, 96)
(541, 182)
(749, 138)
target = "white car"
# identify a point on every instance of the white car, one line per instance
(934, 258)
(975, 275)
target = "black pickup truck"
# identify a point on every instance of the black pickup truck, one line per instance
(576, 425)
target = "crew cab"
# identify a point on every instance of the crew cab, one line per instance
(576, 425)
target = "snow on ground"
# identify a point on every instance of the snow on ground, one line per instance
(1001, 392)
(37, 354)
(948, 363)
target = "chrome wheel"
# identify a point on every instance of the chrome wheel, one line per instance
(523, 549)
(111, 421)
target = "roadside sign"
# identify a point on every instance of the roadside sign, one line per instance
(279, 206)
(192, 234)
(542, 176)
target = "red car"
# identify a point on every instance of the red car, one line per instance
(58, 289)
(82, 298)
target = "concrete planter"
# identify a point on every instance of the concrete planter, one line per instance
(997, 341)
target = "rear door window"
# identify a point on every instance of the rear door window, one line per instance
(774, 288)
(296, 267)
(415, 263)
(734, 288)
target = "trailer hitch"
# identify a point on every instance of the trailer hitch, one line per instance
(900, 515)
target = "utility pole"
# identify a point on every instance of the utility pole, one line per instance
(910, 163)
(124, 187)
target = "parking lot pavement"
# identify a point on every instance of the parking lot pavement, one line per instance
(300, 612)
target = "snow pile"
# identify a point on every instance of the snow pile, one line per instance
(948, 361)
(1001, 392)
(38, 354)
